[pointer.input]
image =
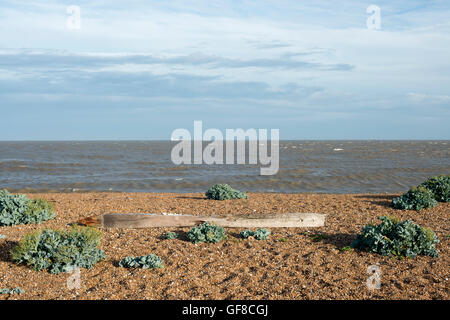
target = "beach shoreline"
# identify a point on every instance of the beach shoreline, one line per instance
(289, 265)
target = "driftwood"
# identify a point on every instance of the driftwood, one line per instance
(149, 220)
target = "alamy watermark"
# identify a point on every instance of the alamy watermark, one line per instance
(374, 21)
(213, 153)
(74, 19)
(374, 281)
(74, 281)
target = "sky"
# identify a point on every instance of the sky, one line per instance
(138, 70)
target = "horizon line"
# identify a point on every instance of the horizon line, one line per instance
(168, 140)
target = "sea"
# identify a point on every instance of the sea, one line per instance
(358, 166)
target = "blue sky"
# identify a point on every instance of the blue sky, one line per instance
(141, 69)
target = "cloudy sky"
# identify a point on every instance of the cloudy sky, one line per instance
(141, 69)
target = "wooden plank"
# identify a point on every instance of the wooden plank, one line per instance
(151, 220)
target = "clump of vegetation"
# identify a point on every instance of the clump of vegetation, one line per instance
(260, 234)
(59, 251)
(316, 237)
(206, 233)
(18, 209)
(415, 199)
(426, 195)
(346, 248)
(170, 235)
(439, 186)
(224, 192)
(151, 261)
(11, 291)
(392, 237)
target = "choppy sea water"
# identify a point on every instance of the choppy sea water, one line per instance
(146, 166)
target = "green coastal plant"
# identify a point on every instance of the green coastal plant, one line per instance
(18, 209)
(260, 234)
(224, 192)
(392, 237)
(316, 237)
(150, 261)
(415, 199)
(12, 291)
(170, 235)
(59, 251)
(206, 233)
(426, 195)
(439, 186)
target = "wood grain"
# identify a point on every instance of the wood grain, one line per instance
(151, 220)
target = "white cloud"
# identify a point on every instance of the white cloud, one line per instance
(429, 98)
(290, 55)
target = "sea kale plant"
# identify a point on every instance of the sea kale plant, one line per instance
(151, 261)
(18, 209)
(392, 237)
(415, 199)
(170, 235)
(224, 192)
(11, 291)
(206, 233)
(260, 234)
(59, 251)
(439, 186)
